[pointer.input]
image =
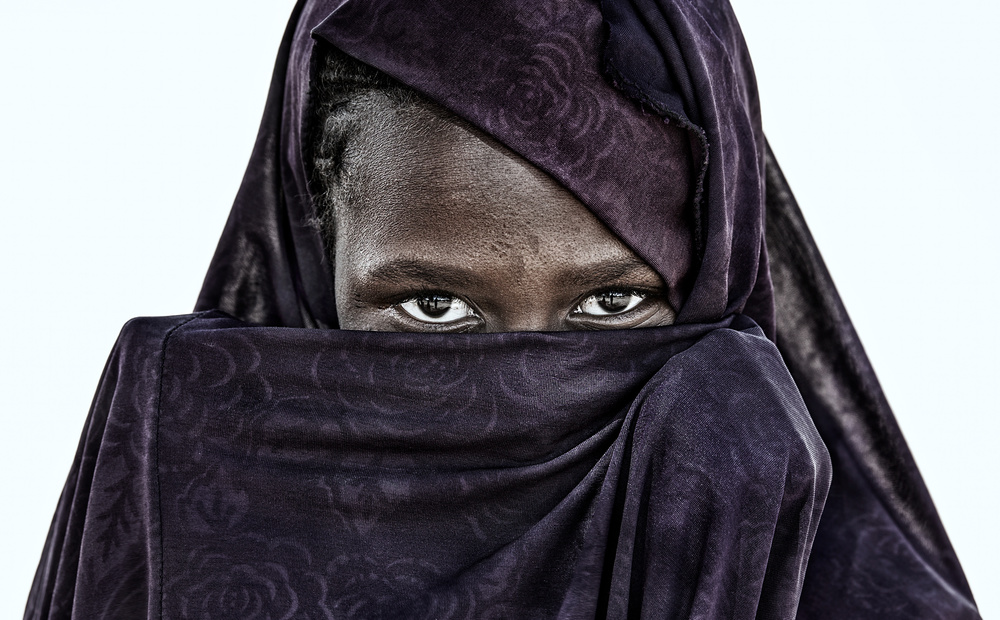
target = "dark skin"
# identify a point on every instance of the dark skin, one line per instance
(448, 231)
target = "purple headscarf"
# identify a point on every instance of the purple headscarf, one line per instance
(532, 75)
(235, 465)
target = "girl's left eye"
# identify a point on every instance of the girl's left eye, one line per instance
(436, 308)
(610, 303)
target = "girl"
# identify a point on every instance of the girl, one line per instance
(527, 181)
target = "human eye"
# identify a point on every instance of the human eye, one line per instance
(436, 308)
(609, 303)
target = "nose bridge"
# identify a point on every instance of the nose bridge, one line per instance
(528, 304)
(531, 321)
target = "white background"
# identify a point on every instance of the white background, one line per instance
(126, 127)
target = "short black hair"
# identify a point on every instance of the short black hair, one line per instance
(346, 97)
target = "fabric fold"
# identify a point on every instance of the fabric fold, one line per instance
(741, 463)
(234, 460)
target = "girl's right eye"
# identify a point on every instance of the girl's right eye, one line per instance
(437, 308)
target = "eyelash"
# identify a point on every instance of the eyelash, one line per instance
(437, 316)
(645, 295)
(426, 293)
(423, 293)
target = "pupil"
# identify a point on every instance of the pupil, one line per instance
(613, 301)
(434, 305)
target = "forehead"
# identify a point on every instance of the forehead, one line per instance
(424, 183)
(530, 74)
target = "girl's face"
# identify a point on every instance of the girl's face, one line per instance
(448, 231)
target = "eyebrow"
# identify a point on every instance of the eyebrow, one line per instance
(608, 271)
(406, 269)
(583, 276)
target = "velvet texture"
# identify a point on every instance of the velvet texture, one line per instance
(237, 468)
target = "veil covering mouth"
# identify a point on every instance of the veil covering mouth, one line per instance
(250, 460)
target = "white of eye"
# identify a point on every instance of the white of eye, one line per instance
(610, 303)
(437, 308)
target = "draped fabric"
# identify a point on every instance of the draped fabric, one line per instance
(881, 549)
(742, 463)
(249, 472)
